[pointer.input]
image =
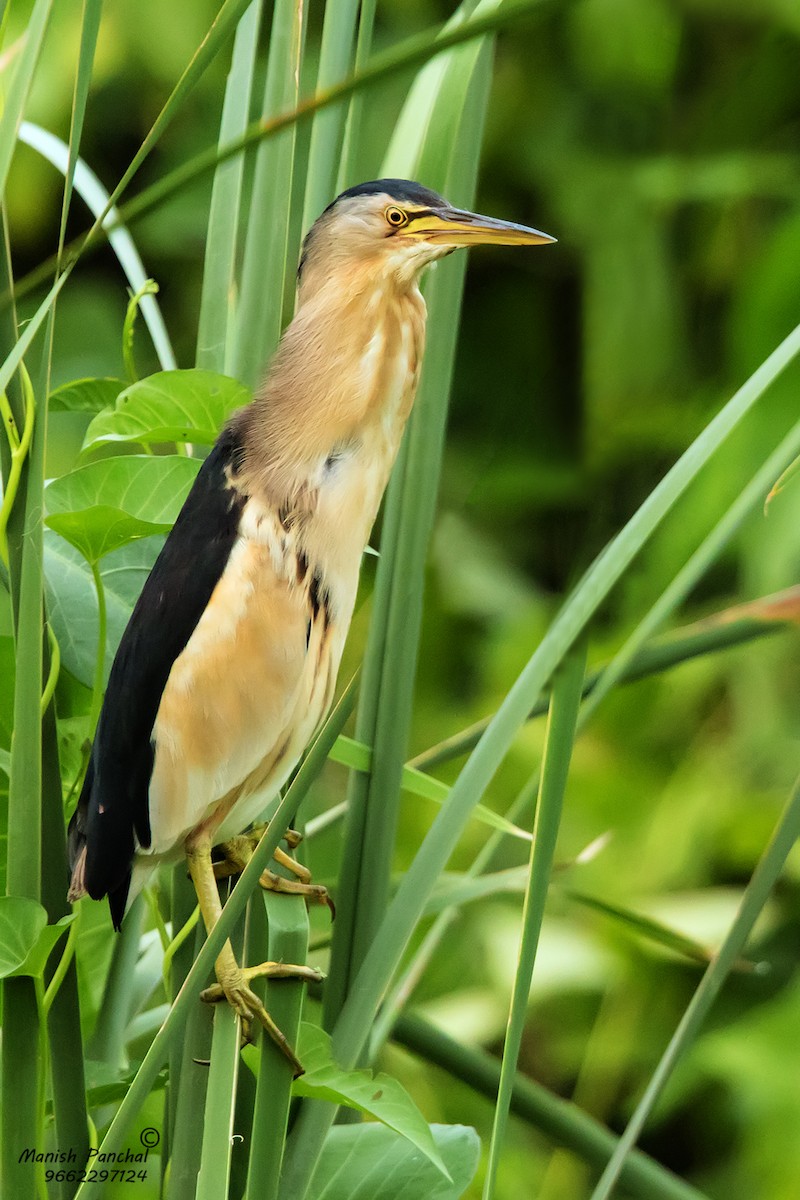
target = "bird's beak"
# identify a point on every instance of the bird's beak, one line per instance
(456, 227)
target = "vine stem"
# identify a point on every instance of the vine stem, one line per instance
(63, 965)
(100, 663)
(19, 447)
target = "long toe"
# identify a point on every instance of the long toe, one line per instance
(277, 970)
(248, 1006)
(312, 893)
(278, 1037)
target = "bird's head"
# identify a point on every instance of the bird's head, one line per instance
(392, 228)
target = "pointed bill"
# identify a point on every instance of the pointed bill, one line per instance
(456, 227)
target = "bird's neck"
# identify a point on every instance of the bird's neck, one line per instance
(343, 378)
(323, 432)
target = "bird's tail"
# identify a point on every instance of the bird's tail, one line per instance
(119, 897)
(76, 840)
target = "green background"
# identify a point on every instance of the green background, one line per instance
(658, 142)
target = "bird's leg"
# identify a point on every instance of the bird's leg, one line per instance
(239, 850)
(232, 980)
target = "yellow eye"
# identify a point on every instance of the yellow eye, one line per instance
(396, 217)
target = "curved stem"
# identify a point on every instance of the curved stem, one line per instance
(19, 449)
(100, 663)
(148, 288)
(55, 668)
(63, 966)
(176, 943)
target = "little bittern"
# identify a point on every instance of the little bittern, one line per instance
(229, 661)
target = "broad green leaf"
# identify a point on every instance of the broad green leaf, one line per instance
(25, 937)
(5, 762)
(100, 507)
(379, 1096)
(170, 406)
(21, 922)
(97, 531)
(36, 960)
(85, 395)
(370, 1162)
(72, 603)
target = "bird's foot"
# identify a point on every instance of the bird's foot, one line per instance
(239, 850)
(314, 893)
(233, 986)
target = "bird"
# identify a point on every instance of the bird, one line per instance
(229, 661)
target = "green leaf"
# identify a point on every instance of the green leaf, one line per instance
(106, 1084)
(455, 890)
(357, 756)
(378, 1096)
(5, 763)
(85, 395)
(170, 406)
(25, 937)
(36, 960)
(72, 602)
(268, 260)
(220, 290)
(650, 929)
(781, 482)
(100, 507)
(16, 94)
(7, 667)
(370, 1162)
(21, 922)
(97, 531)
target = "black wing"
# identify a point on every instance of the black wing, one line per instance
(113, 806)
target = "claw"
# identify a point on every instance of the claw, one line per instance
(313, 893)
(247, 1005)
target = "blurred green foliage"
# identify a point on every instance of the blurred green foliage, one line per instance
(657, 141)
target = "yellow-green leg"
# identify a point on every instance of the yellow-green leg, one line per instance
(239, 850)
(232, 980)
